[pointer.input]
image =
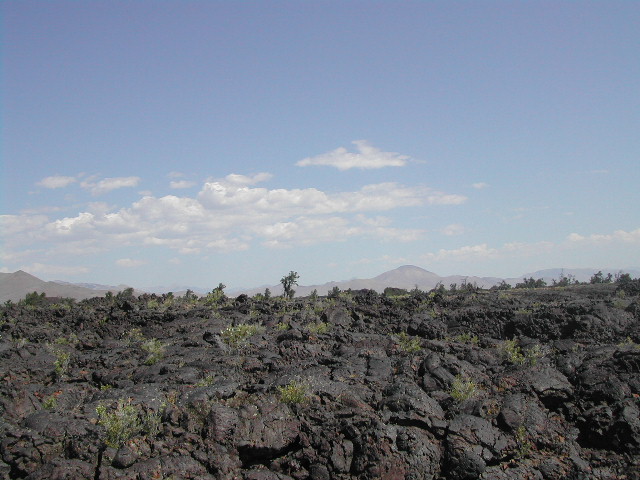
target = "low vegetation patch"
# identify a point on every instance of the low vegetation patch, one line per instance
(125, 422)
(318, 328)
(236, 336)
(463, 388)
(293, 393)
(408, 343)
(154, 349)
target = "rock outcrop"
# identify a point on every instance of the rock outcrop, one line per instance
(514, 384)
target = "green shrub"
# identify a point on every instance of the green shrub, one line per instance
(318, 328)
(154, 349)
(153, 304)
(34, 299)
(293, 392)
(463, 388)
(533, 354)
(216, 296)
(524, 446)
(134, 336)
(283, 326)
(408, 343)
(236, 336)
(512, 352)
(61, 364)
(121, 424)
(466, 337)
(50, 402)
(207, 381)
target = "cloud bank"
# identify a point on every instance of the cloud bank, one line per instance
(228, 214)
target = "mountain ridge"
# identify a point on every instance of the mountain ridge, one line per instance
(14, 286)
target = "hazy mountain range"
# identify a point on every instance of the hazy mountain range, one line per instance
(14, 286)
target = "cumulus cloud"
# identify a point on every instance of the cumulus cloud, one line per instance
(129, 262)
(177, 184)
(108, 184)
(480, 185)
(383, 196)
(56, 181)
(367, 157)
(228, 214)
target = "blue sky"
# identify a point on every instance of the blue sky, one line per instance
(184, 142)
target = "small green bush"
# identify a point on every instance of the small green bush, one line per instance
(463, 388)
(512, 352)
(154, 349)
(121, 424)
(61, 364)
(206, 381)
(283, 326)
(236, 336)
(408, 343)
(524, 446)
(126, 422)
(466, 337)
(134, 336)
(318, 328)
(293, 392)
(50, 402)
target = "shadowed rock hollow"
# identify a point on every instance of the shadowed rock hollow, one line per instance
(515, 384)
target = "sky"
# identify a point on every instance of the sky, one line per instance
(196, 142)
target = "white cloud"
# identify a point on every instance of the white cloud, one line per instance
(618, 236)
(44, 269)
(463, 253)
(480, 185)
(237, 179)
(129, 263)
(453, 229)
(483, 251)
(15, 224)
(368, 157)
(439, 198)
(228, 214)
(56, 181)
(282, 202)
(108, 184)
(100, 207)
(181, 184)
(175, 174)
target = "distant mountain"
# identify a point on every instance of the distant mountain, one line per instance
(407, 277)
(14, 286)
(410, 276)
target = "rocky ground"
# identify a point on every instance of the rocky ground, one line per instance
(513, 384)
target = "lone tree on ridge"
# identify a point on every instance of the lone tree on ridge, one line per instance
(288, 281)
